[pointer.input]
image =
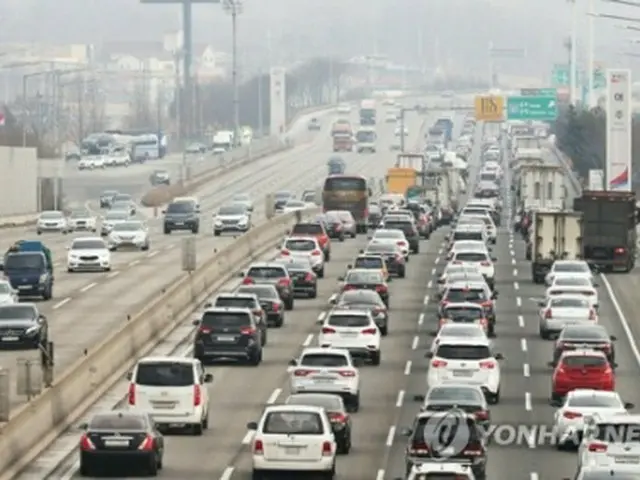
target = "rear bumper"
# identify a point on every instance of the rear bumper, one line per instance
(325, 464)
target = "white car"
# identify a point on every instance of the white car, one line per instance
(469, 397)
(52, 221)
(132, 234)
(82, 220)
(437, 469)
(454, 331)
(111, 219)
(295, 206)
(119, 159)
(326, 370)
(610, 439)
(172, 390)
(306, 248)
(590, 293)
(88, 254)
(568, 268)
(466, 313)
(469, 360)
(353, 330)
(556, 312)
(490, 226)
(231, 218)
(344, 109)
(391, 117)
(470, 232)
(401, 130)
(395, 237)
(467, 246)
(295, 438)
(243, 199)
(481, 260)
(569, 419)
(86, 163)
(456, 273)
(8, 296)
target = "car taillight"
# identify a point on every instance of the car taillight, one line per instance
(485, 264)
(620, 250)
(275, 306)
(605, 346)
(349, 287)
(473, 449)
(328, 330)
(316, 253)
(402, 244)
(548, 313)
(323, 239)
(597, 447)
(488, 365)
(381, 288)
(247, 281)
(258, 447)
(366, 213)
(197, 395)
(86, 443)
(369, 331)
(484, 322)
(284, 282)
(418, 448)
(592, 314)
(457, 262)
(378, 311)
(301, 372)
(205, 330)
(247, 330)
(347, 373)
(327, 450)
(131, 395)
(338, 417)
(286, 253)
(148, 444)
(482, 415)
(571, 415)
(438, 363)
(257, 311)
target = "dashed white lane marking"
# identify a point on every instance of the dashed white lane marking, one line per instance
(113, 274)
(519, 301)
(380, 475)
(274, 396)
(433, 271)
(437, 260)
(414, 342)
(152, 254)
(308, 340)
(135, 262)
(61, 303)
(523, 344)
(515, 272)
(391, 435)
(400, 399)
(533, 476)
(407, 368)
(86, 288)
(527, 401)
(513, 254)
(513, 261)
(526, 372)
(516, 286)
(426, 300)
(421, 319)
(321, 316)
(169, 247)
(430, 284)
(521, 321)
(227, 474)
(246, 440)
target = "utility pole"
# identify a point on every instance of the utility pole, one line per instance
(234, 8)
(260, 110)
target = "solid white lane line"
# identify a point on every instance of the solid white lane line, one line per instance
(421, 319)
(400, 399)
(391, 435)
(623, 319)
(523, 344)
(527, 401)
(525, 370)
(521, 321)
(246, 440)
(407, 368)
(308, 340)
(414, 342)
(274, 396)
(135, 262)
(61, 303)
(113, 274)
(321, 316)
(380, 475)
(86, 288)
(152, 254)
(227, 474)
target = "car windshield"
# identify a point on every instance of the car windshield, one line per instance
(464, 312)
(80, 214)
(461, 330)
(463, 352)
(465, 277)
(467, 235)
(27, 261)
(238, 302)
(164, 374)
(323, 360)
(471, 257)
(263, 292)
(367, 276)
(89, 244)
(570, 268)
(369, 262)
(330, 403)
(51, 216)
(293, 422)
(180, 207)
(451, 392)
(346, 320)
(266, 272)
(569, 303)
(225, 319)
(593, 401)
(128, 227)
(17, 312)
(455, 295)
(232, 210)
(118, 422)
(116, 216)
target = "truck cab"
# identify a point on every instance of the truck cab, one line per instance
(28, 266)
(366, 140)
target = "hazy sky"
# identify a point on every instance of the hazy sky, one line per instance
(453, 33)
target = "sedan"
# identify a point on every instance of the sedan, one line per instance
(294, 206)
(333, 225)
(584, 336)
(22, 326)
(451, 331)
(468, 398)
(106, 198)
(557, 312)
(367, 300)
(270, 302)
(82, 220)
(395, 260)
(395, 237)
(568, 268)
(364, 279)
(132, 235)
(303, 277)
(123, 205)
(347, 221)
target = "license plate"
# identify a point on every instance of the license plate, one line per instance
(116, 443)
(10, 339)
(349, 335)
(163, 405)
(627, 459)
(24, 287)
(292, 450)
(226, 338)
(179, 223)
(323, 380)
(462, 373)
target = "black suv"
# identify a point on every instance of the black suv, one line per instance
(106, 198)
(182, 215)
(410, 231)
(244, 300)
(270, 302)
(271, 274)
(440, 436)
(230, 333)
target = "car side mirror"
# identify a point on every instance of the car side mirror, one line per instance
(83, 426)
(596, 285)
(499, 356)
(349, 267)
(419, 398)
(333, 301)
(555, 403)
(542, 304)
(551, 364)
(129, 375)
(406, 432)
(252, 425)
(341, 279)
(390, 279)
(195, 322)
(613, 338)
(293, 362)
(361, 251)
(494, 295)
(208, 378)
(288, 232)
(494, 259)
(629, 405)
(428, 355)
(241, 274)
(164, 211)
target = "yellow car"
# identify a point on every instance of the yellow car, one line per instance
(373, 262)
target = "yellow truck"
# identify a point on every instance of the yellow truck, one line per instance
(404, 174)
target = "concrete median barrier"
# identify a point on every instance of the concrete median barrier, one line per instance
(33, 427)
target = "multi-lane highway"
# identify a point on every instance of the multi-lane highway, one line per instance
(239, 393)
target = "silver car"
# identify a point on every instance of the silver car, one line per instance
(111, 219)
(82, 220)
(562, 310)
(349, 225)
(231, 218)
(52, 221)
(129, 235)
(8, 295)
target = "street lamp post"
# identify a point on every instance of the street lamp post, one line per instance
(574, 53)
(234, 8)
(590, 60)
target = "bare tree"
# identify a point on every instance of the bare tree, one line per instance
(141, 113)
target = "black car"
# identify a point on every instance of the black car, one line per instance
(120, 439)
(244, 300)
(160, 177)
(367, 300)
(396, 263)
(336, 411)
(375, 215)
(181, 216)
(447, 397)
(580, 336)
(333, 225)
(366, 279)
(443, 429)
(305, 280)
(410, 232)
(270, 302)
(22, 326)
(280, 199)
(229, 333)
(271, 273)
(106, 198)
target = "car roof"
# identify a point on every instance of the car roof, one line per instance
(293, 408)
(236, 294)
(328, 351)
(265, 265)
(301, 237)
(167, 359)
(215, 309)
(463, 305)
(480, 341)
(588, 392)
(350, 313)
(82, 239)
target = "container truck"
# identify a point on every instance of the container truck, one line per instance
(540, 186)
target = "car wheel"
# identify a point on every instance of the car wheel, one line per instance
(321, 273)
(196, 429)
(288, 304)
(314, 293)
(376, 357)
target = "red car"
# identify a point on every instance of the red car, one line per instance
(581, 369)
(314, 229)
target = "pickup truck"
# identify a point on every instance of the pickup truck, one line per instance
(29, 268)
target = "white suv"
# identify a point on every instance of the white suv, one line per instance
(326, 370)
(307, 249)
(172, 390)
(437, 469)
(466, 360)
(293, 438)
(353, 330)
(479, 259)
(610, 439)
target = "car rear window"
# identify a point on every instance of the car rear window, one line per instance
(467, 236)
(463, 352)
(443, 430)
(265, 292)
(580, 361)
(300, 245)
(292, 422)
(370, 276)
(324, 360)
(463, 312)
(569, 303)
(307, 229)
(117, 422)
(267, 272)
(471, 257)
(455, 295)
(348, 321)
(164, 374)
(369, 262)
(225, 319)
(238, 302)
(406, 227)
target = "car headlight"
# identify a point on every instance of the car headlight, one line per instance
(243, 221)
(218, 222)
(73, 257)
(43, 277)
(32, 330)
(114, 238)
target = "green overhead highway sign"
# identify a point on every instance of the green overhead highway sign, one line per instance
(561, 75)
(532, 108)
(538, 92)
